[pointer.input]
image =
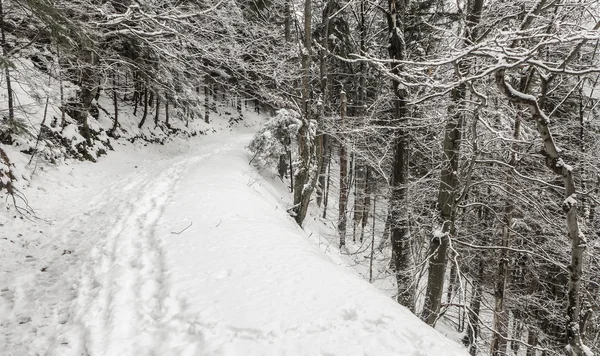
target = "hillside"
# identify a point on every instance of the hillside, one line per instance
(184, 249)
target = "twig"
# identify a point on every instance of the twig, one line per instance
(178, 233)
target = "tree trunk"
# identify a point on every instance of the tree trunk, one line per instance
(145, 114)
(556, 164)
(449, 180)
(9, 92)
(343, 174)
(167, 124)
(531, 341)
(115, 103)
(474, 310)
(500, 321)
(367, 202)
(328, 181)
(206, 103)
(288, 21)
(156, 114)
(63, 119)
(323, 170)
(324, 100)
(309, 151)
(399, 223)
(359, 195)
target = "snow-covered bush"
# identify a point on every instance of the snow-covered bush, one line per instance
(273, 141)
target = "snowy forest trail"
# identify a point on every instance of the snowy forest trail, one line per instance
(195, 254)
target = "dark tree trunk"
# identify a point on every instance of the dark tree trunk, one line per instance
(206, 103)
(9, 92)
(145, 114)
(167, 124)
(343, 175)
(328, 181)
(367, 202)
(156, 114)
(115, 103)
(399, 227)
(449, 181)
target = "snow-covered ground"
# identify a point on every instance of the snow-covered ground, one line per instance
(184, 249)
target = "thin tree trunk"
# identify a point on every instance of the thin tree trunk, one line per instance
(500, 322)
(63, 120)
(9, 92)
(206, 103)
(323, 170)
(367, 202)
(531, 341)
(115, 103)
(136, 93)
(287, 25)
(359, 194)
(343, 174)
(328, 182)
(145, 114)
(474, 310)
(156, 114)
(167, 124)
(324, 99)
(372, 243)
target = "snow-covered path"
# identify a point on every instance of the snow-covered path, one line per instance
(196, 255)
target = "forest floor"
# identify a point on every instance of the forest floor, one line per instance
(184, 249)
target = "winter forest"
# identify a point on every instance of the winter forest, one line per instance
(444, 151)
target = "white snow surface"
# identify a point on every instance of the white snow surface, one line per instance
(184, 249)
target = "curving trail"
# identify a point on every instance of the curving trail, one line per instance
(195, 254)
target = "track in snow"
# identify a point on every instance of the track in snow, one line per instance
(243, 280)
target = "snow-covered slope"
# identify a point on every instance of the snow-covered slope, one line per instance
(188, 250)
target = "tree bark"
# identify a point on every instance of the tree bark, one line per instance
(556, 164)
(399, 218)
(343, 174)
(324, 100)
(309, 150)
(115, 103)
(145, 114)
(156, 114)
(9, 92)
(449, 181)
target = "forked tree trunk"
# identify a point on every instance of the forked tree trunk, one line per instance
(556, 164)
